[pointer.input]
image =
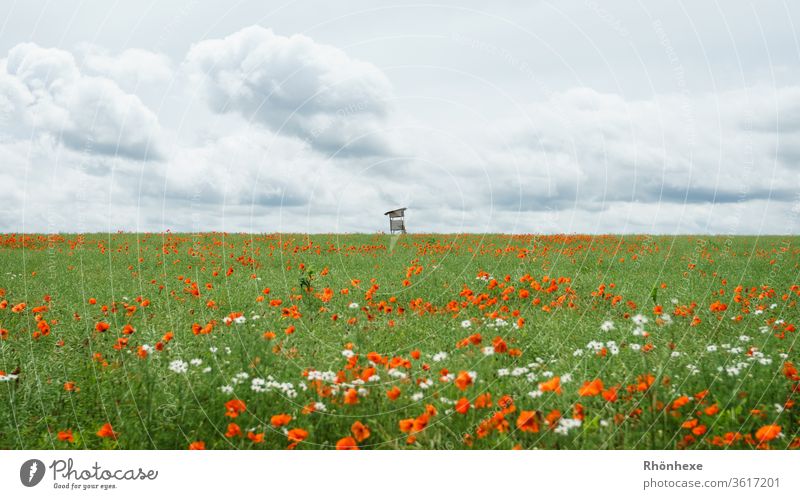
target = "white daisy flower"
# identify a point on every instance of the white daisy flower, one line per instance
(535, 394)
(178, 366)
(440, 356)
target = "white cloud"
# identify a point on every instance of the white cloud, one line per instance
(294, 85)
(130, 68)
(44, 89)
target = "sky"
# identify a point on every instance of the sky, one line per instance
(575, 116)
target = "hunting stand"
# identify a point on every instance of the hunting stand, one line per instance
(397, 221)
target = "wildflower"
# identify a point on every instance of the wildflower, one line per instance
(198, 445)
(528, 421)
(256, 438)
(462, 406)
(463, 380)
(107, 431)
(234, 407)
(606, 326)
(610, 395)
(351, 396)
(346, 443)
(591, 388)
(233, 430)
(279, 420)
(178, 366)
(718, 306)
(466, 323)
(680, 402)
(439, 356)
(767, 433)
(66, 436)
(566, 424)
(360, 431)
(551, 385)
(297, 435)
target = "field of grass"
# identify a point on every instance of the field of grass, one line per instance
(220, 341)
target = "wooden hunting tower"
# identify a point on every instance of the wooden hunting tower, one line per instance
(397, 222)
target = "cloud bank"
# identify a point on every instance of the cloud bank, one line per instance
(256, 131)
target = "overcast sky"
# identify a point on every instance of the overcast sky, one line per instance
(317, 116)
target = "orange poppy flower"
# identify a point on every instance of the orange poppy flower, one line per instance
(107, 431)
(421, 422)
(462, 406)
(528, 421)
(767, 433)
(553, 417)
(463, 380)
(346, 443)
(351, 396)
(393, 393)
(406, 425)
(199, 445)
(551, 385)
(66, 436)
(234, 407)
(279, 420)
(297, 435)
(360, 431)
(591, 388)
(680, 402)
(233, 430)
(610, 395)
(499, 345)
(256, 438)
(483, 400)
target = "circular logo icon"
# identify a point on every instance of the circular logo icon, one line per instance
(31, 472)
